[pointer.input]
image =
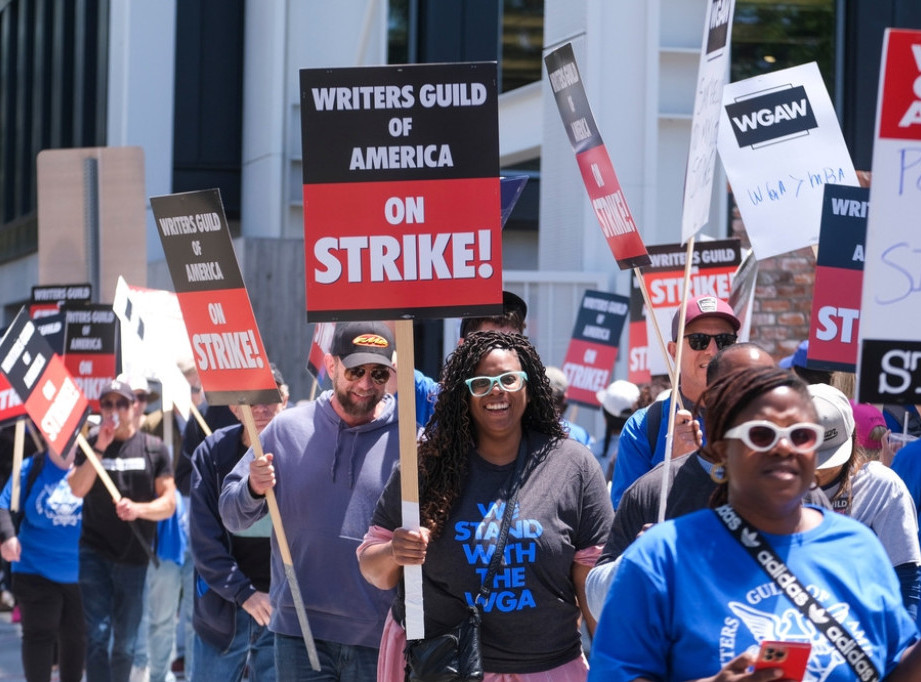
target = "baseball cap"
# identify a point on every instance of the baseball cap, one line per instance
(837, 418)
(620, 395)
(867, 418)
(119, 387)
(705, 306)
(361, 343)
(139, 384)
(798, 359)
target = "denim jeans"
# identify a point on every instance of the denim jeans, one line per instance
(249, 640)
(185, 633)
(113, 601)
(345, 662)
(163, 585)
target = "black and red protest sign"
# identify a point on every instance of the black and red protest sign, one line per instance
(401, 192)
(835, 319)
(91, 347)
(593, 348)
(47, 299)
(226, 344)
(319, 347)
(604, 190)
(51, 397)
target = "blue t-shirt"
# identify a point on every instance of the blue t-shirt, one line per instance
(688, 598)
(907, 464)
(50, 531)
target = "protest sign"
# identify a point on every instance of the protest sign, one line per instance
(601, 183)
(152, 329)
(889, 362)
(712, 73)
(401, 192)
(219, 319)
(712, 270)
(593, 348)
(48, 299)
(835, 319)
(638, 365)
(780, 144)
(11, 406)
(742, 296)
(51, 397)
(319, 347)
(90, 347)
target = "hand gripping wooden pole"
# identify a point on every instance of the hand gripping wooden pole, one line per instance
(250, 425)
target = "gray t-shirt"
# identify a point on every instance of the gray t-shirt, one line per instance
(529, 622)
(881, 501)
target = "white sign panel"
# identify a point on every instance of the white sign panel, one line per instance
(780, 144)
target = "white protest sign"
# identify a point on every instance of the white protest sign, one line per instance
(711, 78)
(889, 360)
(149, 333)
(780, 144)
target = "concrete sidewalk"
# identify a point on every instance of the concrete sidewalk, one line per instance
(10, 654)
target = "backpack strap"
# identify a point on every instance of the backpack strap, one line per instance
(653, 422)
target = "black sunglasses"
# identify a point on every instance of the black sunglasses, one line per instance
(379, 375)
(121, 404)
(700, 341)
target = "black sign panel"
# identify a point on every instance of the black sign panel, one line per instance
(890, 372)
(771, 116)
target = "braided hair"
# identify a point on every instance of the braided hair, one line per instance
(730, 395)
(444, 448)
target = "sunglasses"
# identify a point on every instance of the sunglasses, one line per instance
(699, 341)
(761, 435)
(379, 375)
(510, 382)
(121, 404)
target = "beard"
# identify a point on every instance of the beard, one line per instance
(353, 408)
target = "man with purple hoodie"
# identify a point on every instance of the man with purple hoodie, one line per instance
(327, 461)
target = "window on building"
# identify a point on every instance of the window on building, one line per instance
(768, 36)
(522, 42)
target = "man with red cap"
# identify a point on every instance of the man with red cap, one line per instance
(709, 326)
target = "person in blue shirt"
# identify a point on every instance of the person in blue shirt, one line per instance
(45, 563)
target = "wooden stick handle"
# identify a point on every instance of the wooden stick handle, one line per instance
(19, 437)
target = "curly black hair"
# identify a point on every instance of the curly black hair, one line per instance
(445, 444)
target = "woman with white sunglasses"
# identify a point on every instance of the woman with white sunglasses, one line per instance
(697, 597)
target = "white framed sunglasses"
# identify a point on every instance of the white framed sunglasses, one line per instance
(510, 382)
(761, 435)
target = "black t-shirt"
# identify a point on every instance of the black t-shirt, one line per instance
(133, 465)
(530, 620)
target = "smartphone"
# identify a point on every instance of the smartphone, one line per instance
(790, 657)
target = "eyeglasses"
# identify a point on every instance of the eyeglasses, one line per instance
(699, 341)
(121, 404)
(379, 375)
(510, 382)
(761, 436)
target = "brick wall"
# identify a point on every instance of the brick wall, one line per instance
(783, 296)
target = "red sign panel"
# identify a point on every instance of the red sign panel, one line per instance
(226, 344)
(900, 109)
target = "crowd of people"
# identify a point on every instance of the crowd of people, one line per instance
(787, 517)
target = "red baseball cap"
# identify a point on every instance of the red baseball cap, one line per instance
(705, 306)
(867, 418)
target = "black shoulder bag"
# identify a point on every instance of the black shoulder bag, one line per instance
(455, 656)
(765, 556)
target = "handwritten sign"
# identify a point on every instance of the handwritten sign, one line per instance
(708, 99)
(601, 183)
(889, 364)
(226, 344)
(780, 144)
(401, 192)
(593, 348)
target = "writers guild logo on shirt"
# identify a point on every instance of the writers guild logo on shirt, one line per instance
(773, 117)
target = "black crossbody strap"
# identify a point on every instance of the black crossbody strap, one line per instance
(511, 501)
(765, 556)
